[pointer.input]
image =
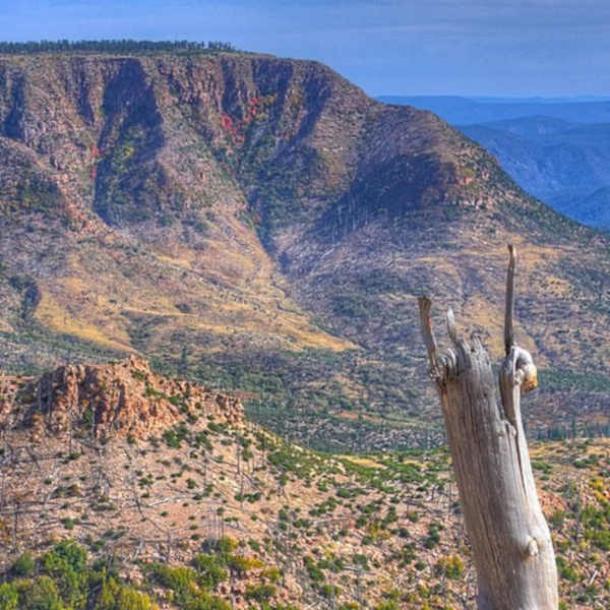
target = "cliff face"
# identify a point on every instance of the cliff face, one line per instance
(267, 214)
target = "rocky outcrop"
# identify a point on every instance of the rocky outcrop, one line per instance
(123, 398)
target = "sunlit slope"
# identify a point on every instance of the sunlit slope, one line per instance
(262, 223)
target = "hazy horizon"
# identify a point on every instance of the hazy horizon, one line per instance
(483, 98)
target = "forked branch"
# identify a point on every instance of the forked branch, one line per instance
(425, 304)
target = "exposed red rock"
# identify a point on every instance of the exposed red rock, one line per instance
(124, 397)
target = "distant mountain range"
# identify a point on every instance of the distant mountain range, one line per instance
(557, 150)
(464, 111)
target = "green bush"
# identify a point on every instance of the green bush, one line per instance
(68, 582)
(211, 570)
(314, 571)
(9, 598)
(42, 594)
(24, 566)
(451, 567)
(66, 563)
(387, 605)
(180, 579)
(260, 593)
(227, 545)
(566, 571)
(241, 565)
(205, 601)
(329, 591)
(116, 596)
(433, 537)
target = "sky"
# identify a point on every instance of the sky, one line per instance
(392, 47)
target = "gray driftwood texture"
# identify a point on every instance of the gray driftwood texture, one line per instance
(511, 542)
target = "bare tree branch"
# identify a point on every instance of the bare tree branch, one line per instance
(509, 336)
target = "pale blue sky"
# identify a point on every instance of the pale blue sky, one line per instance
(471, 47)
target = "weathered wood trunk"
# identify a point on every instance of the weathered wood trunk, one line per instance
(510, 539)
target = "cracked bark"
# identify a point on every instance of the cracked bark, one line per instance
(511, 542)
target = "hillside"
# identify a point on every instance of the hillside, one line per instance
(556, 150)
(124, 489)
(564, 164)
(261, 224)
(595, 208)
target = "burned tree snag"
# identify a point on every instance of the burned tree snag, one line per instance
(510, 539)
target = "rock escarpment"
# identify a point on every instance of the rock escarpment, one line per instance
(120, 399)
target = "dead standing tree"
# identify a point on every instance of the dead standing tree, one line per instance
(511, 542)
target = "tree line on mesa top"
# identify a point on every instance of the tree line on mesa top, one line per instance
(114, 46)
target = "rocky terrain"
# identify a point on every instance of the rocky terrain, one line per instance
(125, 398)
(261, 224)
(118, 486)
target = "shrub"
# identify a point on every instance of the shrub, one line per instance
(227, 545)
(211, 570)
(242, 565)
(24, 566)
(406, 555)
(205, 601)
(315, 573)
(452, 567)
(433, 537)
(180, 579)
(115, 596)
(389, 604)
(9, 598)
(260, 593)
(329, 591)
(66, 563)
(566, 571)
(273, 574)
(42, 594)
(557, 518)
(65, 554)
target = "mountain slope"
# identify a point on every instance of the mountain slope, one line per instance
(261, 224)
(556, 150)
(595, 208)
(562, 163)
(174, 494)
